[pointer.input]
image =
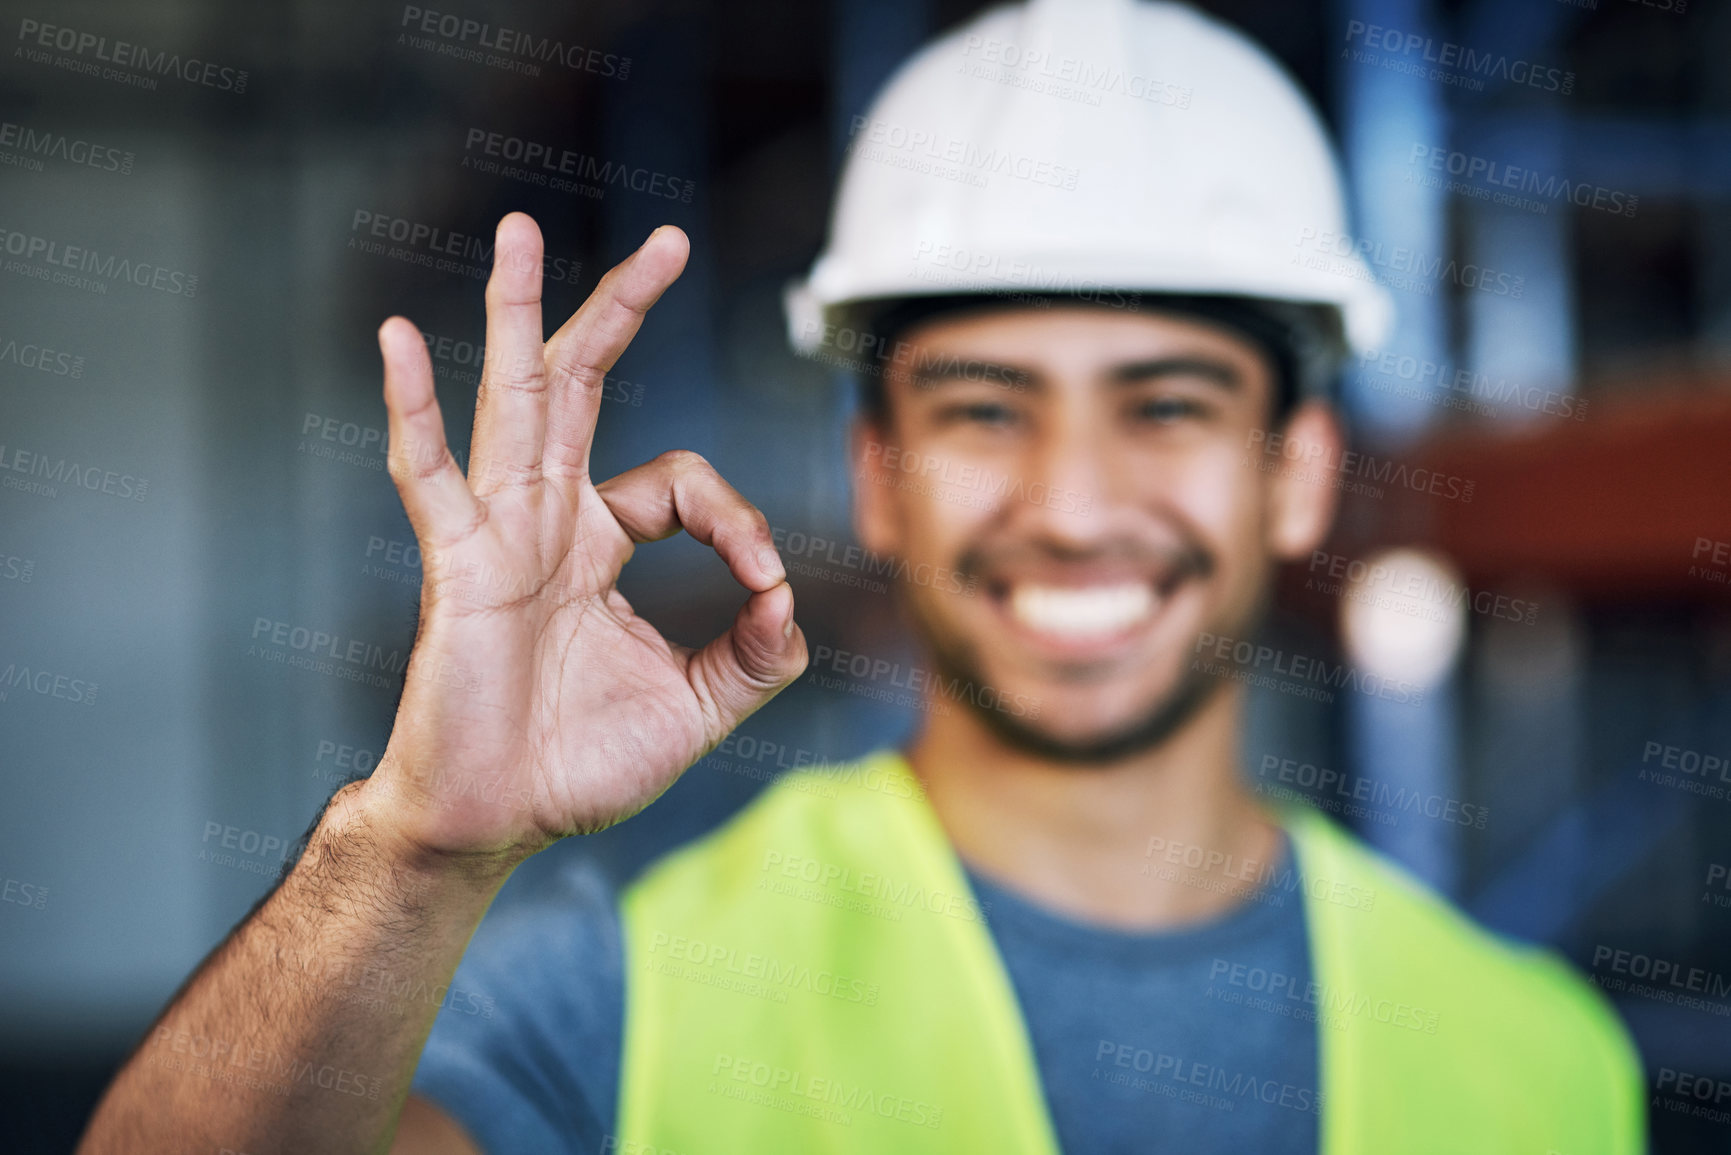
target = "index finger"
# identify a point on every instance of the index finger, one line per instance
(586, 346)
(681, 491)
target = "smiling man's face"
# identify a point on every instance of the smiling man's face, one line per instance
(1092, 471)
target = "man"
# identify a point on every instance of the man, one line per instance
(1058, 920)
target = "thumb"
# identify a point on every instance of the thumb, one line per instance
(752, 662)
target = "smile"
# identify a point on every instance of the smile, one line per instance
(1081, 613)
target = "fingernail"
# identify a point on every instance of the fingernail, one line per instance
(787, 630)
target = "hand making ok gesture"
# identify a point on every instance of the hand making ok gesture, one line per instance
(536, 703)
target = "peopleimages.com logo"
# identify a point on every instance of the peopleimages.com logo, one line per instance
(1487, 178)
(564, 170)
(939, 154)
(120, 60)
(509, 49)
(52, 259)
(1445, 61)
(1399, 267)
(34, 146)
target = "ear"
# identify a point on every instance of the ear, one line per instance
(874, 515)
(1301, 496)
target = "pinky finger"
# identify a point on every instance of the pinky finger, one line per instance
(437, 497)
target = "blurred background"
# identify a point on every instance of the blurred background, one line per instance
(193, 466)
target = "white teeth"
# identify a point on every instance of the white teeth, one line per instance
(1081, 612)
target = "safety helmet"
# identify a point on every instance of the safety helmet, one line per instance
(1092, 147)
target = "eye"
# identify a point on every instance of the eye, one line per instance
(1169, 410)
(990, 414)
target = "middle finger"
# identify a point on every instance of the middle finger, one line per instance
(511, 411)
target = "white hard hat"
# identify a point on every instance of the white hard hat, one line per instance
(1085, 145)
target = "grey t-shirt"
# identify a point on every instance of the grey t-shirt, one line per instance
(1145, 1042)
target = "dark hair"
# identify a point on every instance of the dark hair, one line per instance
(1303, 343)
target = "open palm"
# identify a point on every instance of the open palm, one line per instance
(537, 703)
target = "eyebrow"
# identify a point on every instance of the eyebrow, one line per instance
(927, 377)
(946, 369)
(1207, 368)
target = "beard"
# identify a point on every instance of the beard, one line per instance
(957, 663)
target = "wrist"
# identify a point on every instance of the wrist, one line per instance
(369, 813)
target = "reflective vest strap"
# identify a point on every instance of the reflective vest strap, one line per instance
(816, 977)
(1434, 1035)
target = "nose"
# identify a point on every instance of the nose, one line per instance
(1070, 481)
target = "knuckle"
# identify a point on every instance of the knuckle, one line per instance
(416, 461)
(761, 668)
(416, 473)
(501, 294)
(580, 374)
(529, 383)
(608, 286)
(750, 529)
(525, 373)
(510, 475)
(687, 461)
(630, 306)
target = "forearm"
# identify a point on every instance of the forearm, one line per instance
(302, 1031)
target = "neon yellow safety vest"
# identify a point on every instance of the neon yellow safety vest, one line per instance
(816, 976)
